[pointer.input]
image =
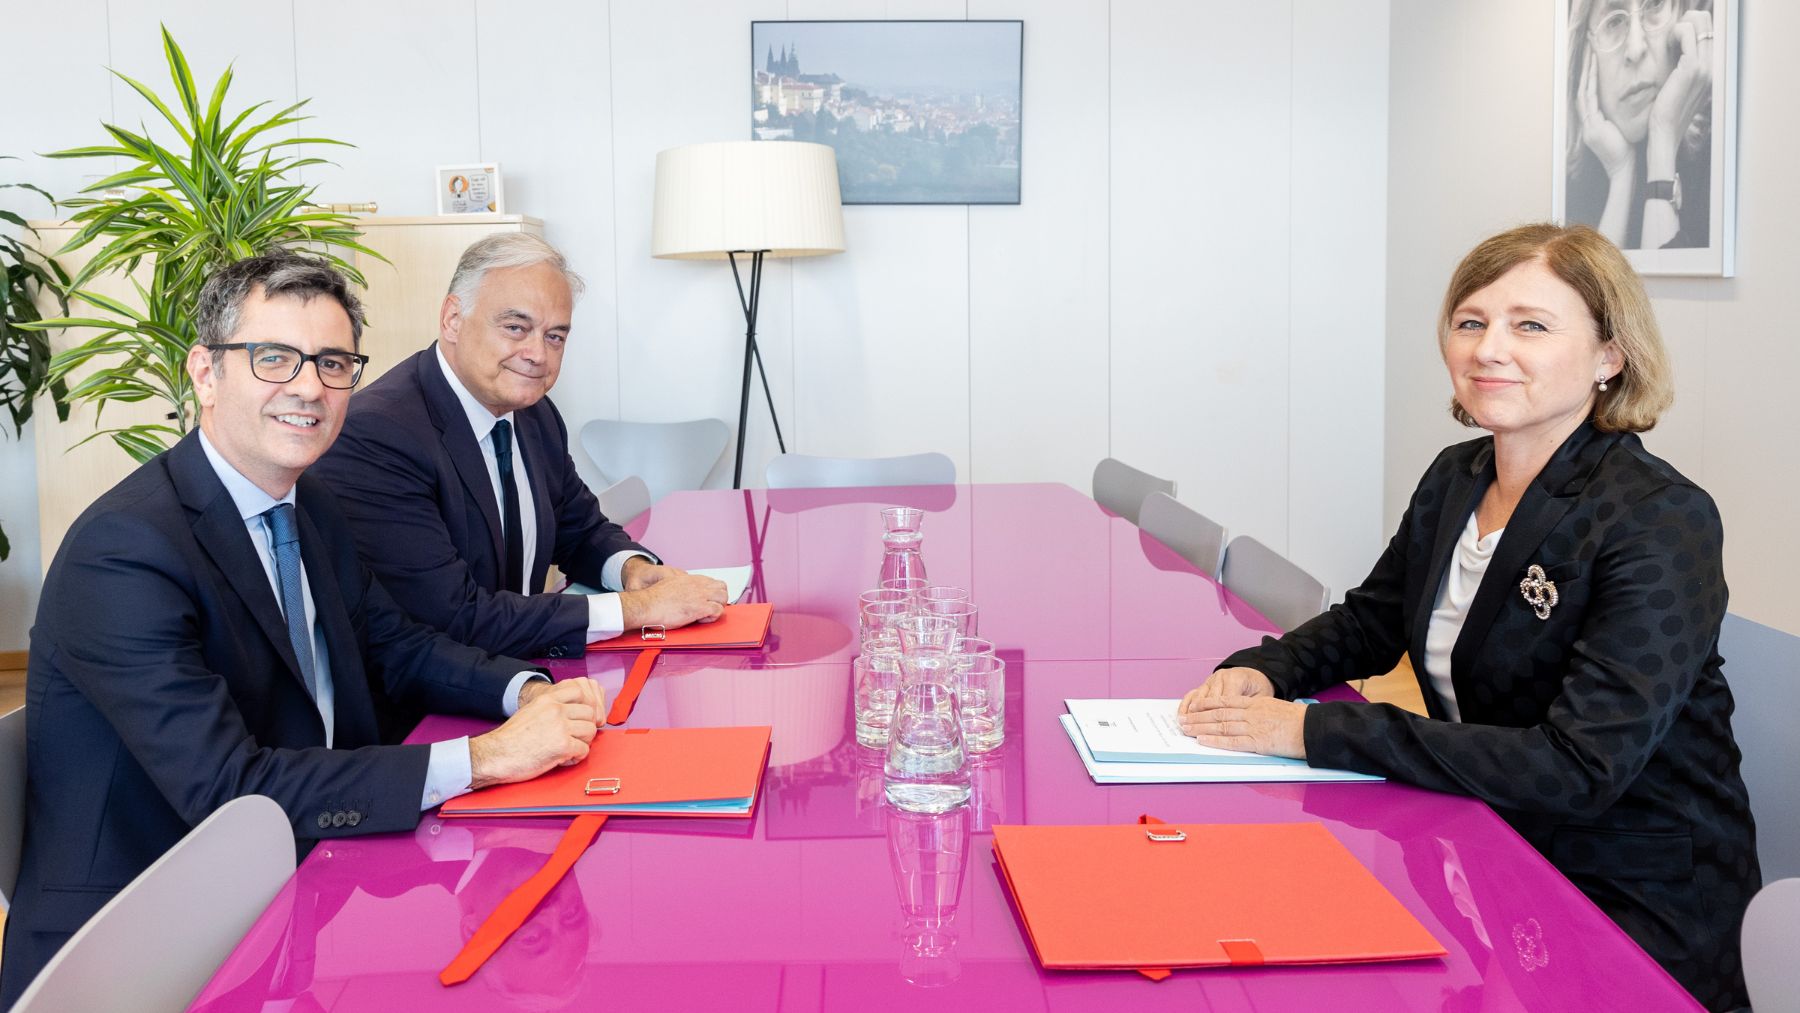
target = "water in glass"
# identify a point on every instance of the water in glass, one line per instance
(927, 765)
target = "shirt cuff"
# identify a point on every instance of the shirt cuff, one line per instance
(606, 616)
(509, 701)
(448, 773)
(612, 573)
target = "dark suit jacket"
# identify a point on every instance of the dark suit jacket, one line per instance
(162, 684)
(412, 481)
(1603, 733)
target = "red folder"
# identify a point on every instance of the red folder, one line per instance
(740, 626)
(640, 772)
(1204, 895)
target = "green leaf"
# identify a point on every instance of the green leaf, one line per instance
(183, 77)
(150, 96)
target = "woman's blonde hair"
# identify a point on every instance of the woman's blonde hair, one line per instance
(1591, 265)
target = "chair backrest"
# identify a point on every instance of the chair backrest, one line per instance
(1770, 926)
(802, 471)
(624, 500)
(155, 944)
(12, 802)
(1285, 594)
(1194, 536)
(1121, 488)
(1762, 666)
(668, 456)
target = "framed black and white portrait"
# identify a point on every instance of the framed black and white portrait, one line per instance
(1645, 128)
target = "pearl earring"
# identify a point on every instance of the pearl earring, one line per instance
(1602, 379)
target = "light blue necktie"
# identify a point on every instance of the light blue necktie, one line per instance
(287, 574)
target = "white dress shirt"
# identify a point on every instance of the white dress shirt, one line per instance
(1462, 578)
(447, 773)
(606, 614)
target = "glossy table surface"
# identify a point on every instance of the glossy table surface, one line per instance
(829, 899)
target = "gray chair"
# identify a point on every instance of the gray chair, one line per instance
(624, 500)
(12, 802)
(155, 944)
(1121, 488)
(1285, 594)
(1762, 666)
(668, 456)
(1771, 925)
(801, 471)
(1194, 536)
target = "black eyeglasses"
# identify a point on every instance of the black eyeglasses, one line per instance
(281, 363)
(1653, 15)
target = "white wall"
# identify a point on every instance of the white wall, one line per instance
(1470, 151)
(1193, 282)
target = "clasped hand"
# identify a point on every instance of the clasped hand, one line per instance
(552, 727)
(1236, 708)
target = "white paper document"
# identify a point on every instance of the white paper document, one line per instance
(1145, 731)
(1198, 773)
(735, 578)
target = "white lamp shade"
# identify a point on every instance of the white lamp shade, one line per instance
(776, 196)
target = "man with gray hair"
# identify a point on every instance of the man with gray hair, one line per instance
(454, 470)
(206, 631)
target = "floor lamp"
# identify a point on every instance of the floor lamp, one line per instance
(747, 200)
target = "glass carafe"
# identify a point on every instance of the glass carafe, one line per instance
(926, 769)
(900, 538)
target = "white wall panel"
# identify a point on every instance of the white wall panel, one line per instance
(681, 331)
(1337, 302)
(546, 115)
(63, 54)
(398, 80)
(1200, 244)
(1038, 283)
(255, 39)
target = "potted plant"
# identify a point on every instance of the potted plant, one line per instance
(170, 219)
(25, 352)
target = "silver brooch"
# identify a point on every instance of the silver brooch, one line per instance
(1539, 591)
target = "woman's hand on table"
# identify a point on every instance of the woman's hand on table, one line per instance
(1236, 708)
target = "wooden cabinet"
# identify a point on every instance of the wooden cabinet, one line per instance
(401, 302)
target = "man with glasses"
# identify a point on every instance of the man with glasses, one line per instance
(455, 473)
(206, 631)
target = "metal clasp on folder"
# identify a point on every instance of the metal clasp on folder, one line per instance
(1178, 835)
(654, 633)
(603, 786)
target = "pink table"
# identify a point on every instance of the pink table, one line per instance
(827, 898)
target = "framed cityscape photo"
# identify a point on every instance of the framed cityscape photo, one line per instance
(1645, 123)
(919, 112)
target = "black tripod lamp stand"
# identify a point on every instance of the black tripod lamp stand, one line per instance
(748, 200)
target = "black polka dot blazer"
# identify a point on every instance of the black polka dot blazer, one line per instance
(1602, 730)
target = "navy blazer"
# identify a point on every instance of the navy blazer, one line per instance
(1602, 733)
(411, 479)
(162, 684)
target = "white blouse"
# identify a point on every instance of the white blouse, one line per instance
(1462, 578)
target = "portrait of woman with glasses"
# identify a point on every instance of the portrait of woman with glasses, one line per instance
(1638, 87)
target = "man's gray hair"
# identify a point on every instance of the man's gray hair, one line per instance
(508, 249)
(278, 272)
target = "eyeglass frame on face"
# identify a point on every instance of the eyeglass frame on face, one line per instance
(1636, 10)
(302, 358)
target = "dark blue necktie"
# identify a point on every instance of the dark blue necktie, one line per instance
(509, 509)
(287, 574)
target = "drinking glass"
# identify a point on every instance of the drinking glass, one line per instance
(963, 613)
(883, 594)
(969, 647)
(877, 683)
(926, 633)
(981, 699)
(880, 619)
(941, 592)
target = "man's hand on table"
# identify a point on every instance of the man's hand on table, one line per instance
(551, 728)
(664, 596)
